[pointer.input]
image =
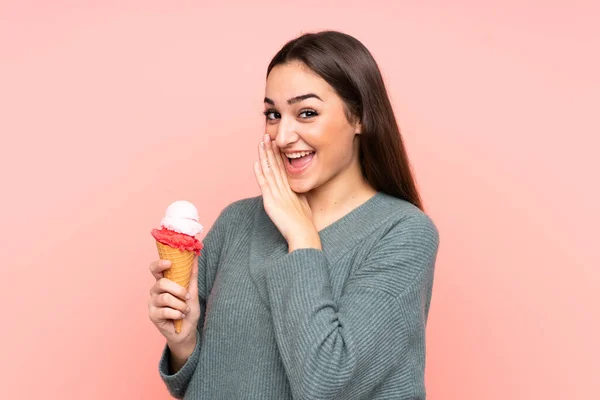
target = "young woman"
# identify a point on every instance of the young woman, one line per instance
(320, 288)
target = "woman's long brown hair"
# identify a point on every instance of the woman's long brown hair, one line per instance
(346, 64)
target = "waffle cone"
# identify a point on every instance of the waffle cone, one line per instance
(180, 270)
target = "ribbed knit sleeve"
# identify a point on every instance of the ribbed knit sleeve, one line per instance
(208, 260)
(178, 382)
(342, 349)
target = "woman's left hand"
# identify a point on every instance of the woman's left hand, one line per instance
(288, 210)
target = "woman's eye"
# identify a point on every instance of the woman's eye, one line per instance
(273, 115)
(270, 114)
(309, 113)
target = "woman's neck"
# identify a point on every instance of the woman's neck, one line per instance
(339, 196)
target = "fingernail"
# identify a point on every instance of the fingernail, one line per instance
(262, 144)
(166, 263)
(188, 296)
(267, 137)
(187, 311)
(182, 315)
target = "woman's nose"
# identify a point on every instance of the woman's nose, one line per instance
(286, 134)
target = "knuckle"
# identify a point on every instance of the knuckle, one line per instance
(152, 313)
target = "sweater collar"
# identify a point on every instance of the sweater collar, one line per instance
(337, 237)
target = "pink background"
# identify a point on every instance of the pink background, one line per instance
(101, 100)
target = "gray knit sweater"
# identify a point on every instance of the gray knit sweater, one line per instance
(347, 322)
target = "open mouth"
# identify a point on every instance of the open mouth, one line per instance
(299, 161)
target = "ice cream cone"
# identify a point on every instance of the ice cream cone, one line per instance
(180, 270)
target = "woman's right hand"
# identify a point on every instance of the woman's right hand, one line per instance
(168, 302)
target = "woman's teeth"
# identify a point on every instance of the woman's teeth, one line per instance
(299, 154)
(299, 161)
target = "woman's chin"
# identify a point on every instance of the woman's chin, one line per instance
(300, 187)
(300, 191)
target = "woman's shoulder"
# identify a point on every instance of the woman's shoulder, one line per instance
(239, 210)
(402, 218)
(398, 210)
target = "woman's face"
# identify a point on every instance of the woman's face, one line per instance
(307, 120)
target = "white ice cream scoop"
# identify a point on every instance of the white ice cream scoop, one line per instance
(182, 216)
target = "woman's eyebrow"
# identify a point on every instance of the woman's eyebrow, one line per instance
(295, 99)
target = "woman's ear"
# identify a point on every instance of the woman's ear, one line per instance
(358, 128)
